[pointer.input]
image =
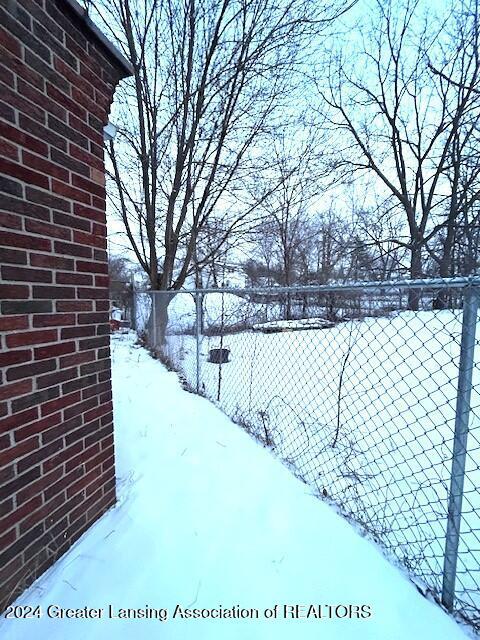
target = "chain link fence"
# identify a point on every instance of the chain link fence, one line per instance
(367, 391)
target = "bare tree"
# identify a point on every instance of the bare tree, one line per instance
(290, 186)
(210, 79)
(402, 122)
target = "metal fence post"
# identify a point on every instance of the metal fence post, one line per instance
(198, 328)
(462, 414)
(154, 319)
(133, 310)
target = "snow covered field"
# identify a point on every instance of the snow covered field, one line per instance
(365, 413)
(207, 518)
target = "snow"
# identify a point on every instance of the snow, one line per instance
(390, 466)
(207, 517)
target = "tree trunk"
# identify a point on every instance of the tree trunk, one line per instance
(158, 320)
(415, 274)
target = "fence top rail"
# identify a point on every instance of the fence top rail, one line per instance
(427, 283)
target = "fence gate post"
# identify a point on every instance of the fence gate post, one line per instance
(198, 329)
(462, 415)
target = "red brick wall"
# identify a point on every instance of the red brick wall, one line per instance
(56, 432)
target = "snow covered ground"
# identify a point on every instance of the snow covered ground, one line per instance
(206, 518)
(365, 412)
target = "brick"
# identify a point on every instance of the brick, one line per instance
(26, 307)
(20, 544)
(71, 221)
(98, 412)
(16, 389)
(102, 281)
(88, 185)
(23, 173)
(73, 278)
(49, 230)
(80, 408)
(84, 128)
(20, 513)
(54, 320)
(43, 133)
(25, 208)
(21, 104)
(57, 377)
(12, 256)
(19, 450)
(39, 427)
(74, 78)
(30, 369)
(78, 332)
(92, 293)
(24, 35)
(26, 275)
(70, 192)
(11, 323)
(35, 399)
(67, 132)
(24, 139)
(54, 45)
(38, 97)
(25, 241)
(89, 212)
(92, 267)
(53, 293)
(102, 305)
(7, 473)
(61, 98)
(89, 239)
(40, 514)
(10, 357)
(6, 112)
(8, 77)
(60, 403)
(8, 41)
(18, 483)
(79, 383)
(74, 305)
(90, 318)
(10, 221)
(59, 430)
(12, 187)
(86, 157)
(94, 343)
(9, 150)
(39, 455)
(99, 229)
(48, 199)
(32, 483)
(52, 351)
(56, 90)
(49, 261)
(47, 72)
(83, 457)
(18, 420)
(45, 166)
(100, 255)
(31, 337)
(95, 367)
(66, 248)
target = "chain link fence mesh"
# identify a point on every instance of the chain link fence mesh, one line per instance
(356, 392)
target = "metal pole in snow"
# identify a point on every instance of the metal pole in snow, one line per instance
(198, 328)
(133, 319)
(154, 319)
(462, 415)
